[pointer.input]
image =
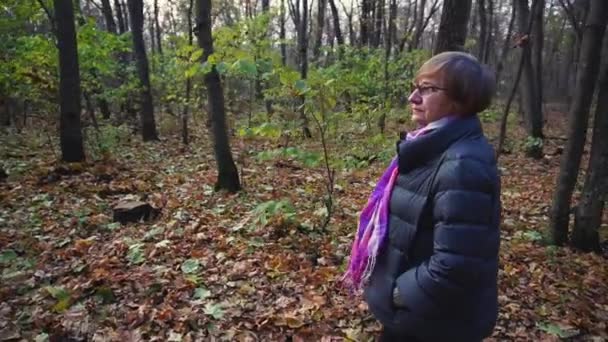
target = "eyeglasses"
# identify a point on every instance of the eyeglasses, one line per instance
(424, 90)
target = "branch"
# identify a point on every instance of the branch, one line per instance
(295, 14)
(96, 5)
(50, 16)
(434, 9)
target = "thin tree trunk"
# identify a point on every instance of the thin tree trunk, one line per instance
(537, 55)
(378, 23)
(503, 123)
(148, 123)
(125, 11)
(387, 54)
(158, 30)
(121, 22)
(483, 30)
(366, 8)
(532, 105)
(418, 26)
(579, 117)
(228, 177)
(505, 47)
(303, 49)
(70, 133)
(186, 112)
(453, 27)
(109, 17)
(318, 39)
(282, 34)
(588, 216)
(336, 21)
(489, 43)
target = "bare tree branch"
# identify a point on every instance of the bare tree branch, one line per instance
(50, 16)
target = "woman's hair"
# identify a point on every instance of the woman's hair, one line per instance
(468, 83)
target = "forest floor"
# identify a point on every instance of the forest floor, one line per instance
(210, 267)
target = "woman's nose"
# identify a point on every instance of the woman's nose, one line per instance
(415, 98)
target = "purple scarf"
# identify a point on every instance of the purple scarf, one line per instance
(373, 221)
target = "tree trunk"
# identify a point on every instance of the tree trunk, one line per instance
(579, 116)
(483, 26)
(228, 177)
(505, 47)
(148, 124)
(489, 43)
(378, 23)
(70, 133)
(532, 106)
(336, 20)
(537, 56)
(418, 26)
(157, 29)
(303, 49)
(121, 23)
(151, 33)
(453, 27)
(282, 34)
(588, 216)
(316, 50)
(265, 6)
(186, 111)
(366, 7)
(125, 11)
(108, 16)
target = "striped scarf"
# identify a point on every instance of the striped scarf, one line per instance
(373, 220)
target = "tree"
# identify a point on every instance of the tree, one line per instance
(588, 215)
(121, 22)
(300, 20)
(157, 28)
(318, 38)
(148, 124)
(336, 22)
(591, 45)
(108, 16)
(186, 110)
(70, 133)
(453, 26)
(532, 107)
(228, 177)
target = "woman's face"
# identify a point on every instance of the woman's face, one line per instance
(429, 101)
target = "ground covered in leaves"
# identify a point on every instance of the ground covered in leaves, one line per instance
(250, 266)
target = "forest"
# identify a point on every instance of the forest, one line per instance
(194, 170)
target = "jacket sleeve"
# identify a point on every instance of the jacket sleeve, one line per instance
(465, 211)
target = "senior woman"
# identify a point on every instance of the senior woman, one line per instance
(426, 251)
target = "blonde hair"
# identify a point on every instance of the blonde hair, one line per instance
(468, 83)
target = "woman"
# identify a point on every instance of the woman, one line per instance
(426, 252)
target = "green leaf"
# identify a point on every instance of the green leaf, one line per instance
(135, 254)
(558, 331)
(246, 67)
(190, 266)
(201, 293)
(42, 337)
(57, 292)
(300, 86)
(214, 310)
(7, 255)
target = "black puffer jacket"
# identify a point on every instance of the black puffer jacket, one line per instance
(442, 249)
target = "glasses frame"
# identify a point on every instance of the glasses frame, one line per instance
(425, 90)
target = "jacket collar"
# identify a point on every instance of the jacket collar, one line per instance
(414, 153)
